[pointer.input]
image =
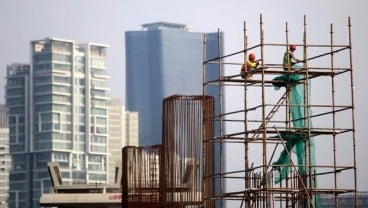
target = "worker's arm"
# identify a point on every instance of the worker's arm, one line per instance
(258, 62)
(294, 58)
(243, 68)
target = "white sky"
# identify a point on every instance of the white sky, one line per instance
(105, 21)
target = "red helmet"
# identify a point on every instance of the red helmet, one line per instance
(252, 56)
(292, 47)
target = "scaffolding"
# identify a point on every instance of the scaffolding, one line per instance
(292, 137)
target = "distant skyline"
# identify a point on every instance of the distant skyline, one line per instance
(97, 21)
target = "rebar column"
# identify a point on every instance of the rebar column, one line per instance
(186, 129)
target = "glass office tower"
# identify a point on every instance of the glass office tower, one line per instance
(57, 112)
(163, 59)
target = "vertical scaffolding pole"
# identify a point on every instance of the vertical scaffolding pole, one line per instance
(221, 100)
(246, 156)
(352, 87)
(333, 109)
(264, 131)
(309, 159)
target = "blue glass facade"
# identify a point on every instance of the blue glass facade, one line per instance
(161, 60)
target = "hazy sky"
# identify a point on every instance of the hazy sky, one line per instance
(105, 21)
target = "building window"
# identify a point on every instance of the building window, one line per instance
(49, 121)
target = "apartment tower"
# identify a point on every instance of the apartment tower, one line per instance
(57, 112)
(5, 161)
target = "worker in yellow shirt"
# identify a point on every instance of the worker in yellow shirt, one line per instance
(289, 59)
(251, 64)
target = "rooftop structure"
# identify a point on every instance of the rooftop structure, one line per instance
(165, 26)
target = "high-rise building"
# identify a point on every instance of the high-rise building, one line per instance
(57, 112)
(4, 157)
(123, 131)
(116, 135)
(131, 127)
(163, 59)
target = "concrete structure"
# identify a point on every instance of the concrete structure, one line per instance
(137, 184)
(163, 59)
(81, 195)
(57, 112)
(5, 161)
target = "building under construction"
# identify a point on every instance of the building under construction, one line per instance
(290, 140)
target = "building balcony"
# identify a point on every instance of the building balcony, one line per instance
(100, 75)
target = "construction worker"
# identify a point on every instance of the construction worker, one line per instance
(251, 64)
(289, 59)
